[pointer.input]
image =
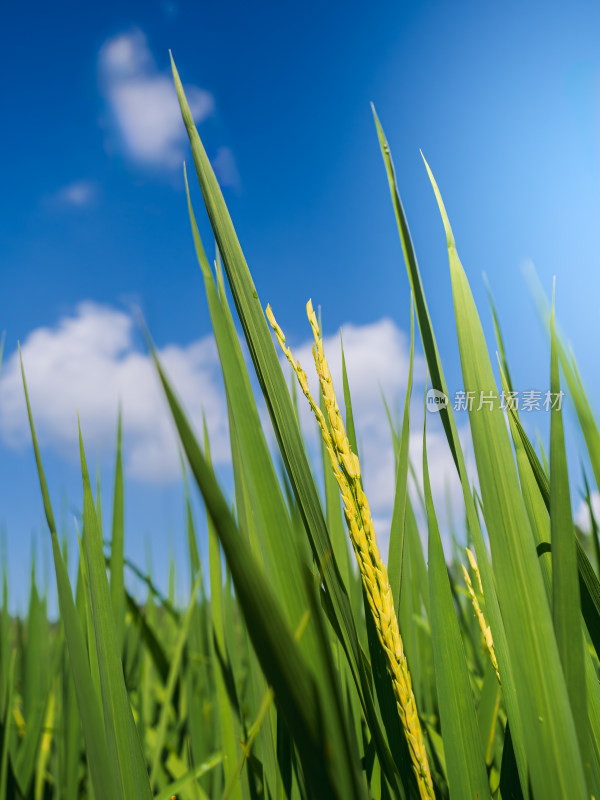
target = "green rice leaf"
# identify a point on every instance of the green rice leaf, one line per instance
(487, 710)
(436, 373)
(536, 493)
(550, 738)
(396, 552)
(565, 586)
(25, 762)
(174, 671)
(7, 726)
(227, 722)
(104, 779)
(153, 647)
(429, 344)
(465, 763)
(193, 775)
(589, 585)
(499, 338)
(271, 379)
(277, 540)
(117, 585)
(280, 658)
(121, 734)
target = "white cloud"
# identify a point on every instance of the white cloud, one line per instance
(78, 194)
(89, 362)
(143, 103)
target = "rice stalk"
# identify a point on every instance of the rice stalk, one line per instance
(346, 468)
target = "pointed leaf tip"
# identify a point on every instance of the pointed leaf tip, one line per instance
(449, 235)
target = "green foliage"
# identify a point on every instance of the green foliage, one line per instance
(271, 682)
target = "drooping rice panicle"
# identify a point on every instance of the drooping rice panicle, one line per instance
(346, 468)
(485, 628)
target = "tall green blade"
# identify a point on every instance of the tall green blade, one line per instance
(225, 713)
(278, 543)
(550, 738)
(396, 551)
(247, 524)
(117, 585)
(174, 671)
(7, 727)
(535, 487)
(436, 373)
(102, 769)
(285, 424)
(121, 733)
(284, 667)
(465, 762)
(499, 338)
(589, 585)
(577, 394)
(566, 605)
(25, 762)
(427, 335)
(279, 546)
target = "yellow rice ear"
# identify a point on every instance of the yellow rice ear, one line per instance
(346, 468)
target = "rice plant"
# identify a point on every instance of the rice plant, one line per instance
(304, 665)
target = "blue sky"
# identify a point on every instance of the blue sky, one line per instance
(503, 101)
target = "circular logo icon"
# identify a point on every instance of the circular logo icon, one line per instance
(436, 400)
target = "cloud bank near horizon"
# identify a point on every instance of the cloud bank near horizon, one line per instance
(90, 362)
